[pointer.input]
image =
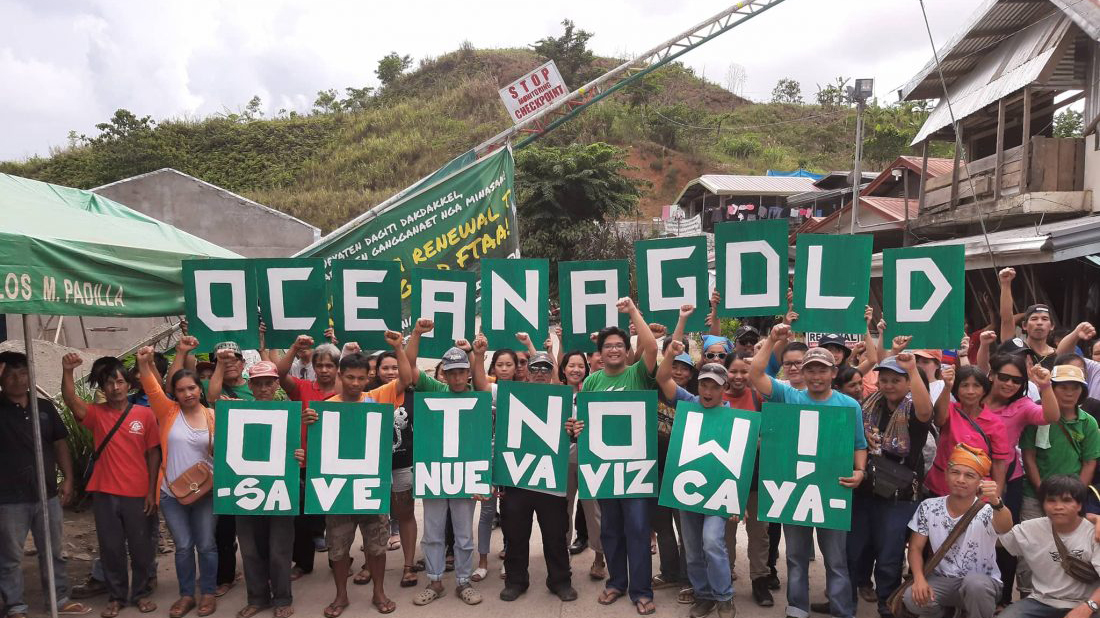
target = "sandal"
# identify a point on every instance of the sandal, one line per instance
(598, 571)
(659, 582)
(609, 596)
(248, 611)
(334, 610)
(394, 544)
(645, 606)
(208, 604)
(72, 608)
(686, 596)
(385, 606)
(112, 609)
(146, 605)
(296, 574)
(181, 607)
(223, 589)
(284, 611)
(362, 578)
(428, 595)
(409, 577)
(468, 594)
(479, 574)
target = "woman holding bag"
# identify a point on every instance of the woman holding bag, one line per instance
(186, 437)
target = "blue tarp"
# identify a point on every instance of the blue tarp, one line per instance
(799, 173)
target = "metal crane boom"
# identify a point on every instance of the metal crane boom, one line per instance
(626, 73)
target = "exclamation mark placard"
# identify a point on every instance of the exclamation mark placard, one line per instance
(807, 442)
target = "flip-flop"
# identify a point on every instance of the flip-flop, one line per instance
(284, 611)
(394, 545)
(645, 607)
(73, 608)
(111, 610)
(385, 607)
(146, 606)
(686, 596)
(609, 596)
(248, 611)
(409, 577)
(359, 579)
(333, 610)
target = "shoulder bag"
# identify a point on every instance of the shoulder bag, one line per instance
(1073, 566)
(897, 607)
(197, 481)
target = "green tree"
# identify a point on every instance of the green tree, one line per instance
(254, 109)
(787, 90)
(327, 102)
(391, 67)
(357, 98)
(834, 94)
(568, 199)
(569, 52)
(123, 124)
(1068, 123)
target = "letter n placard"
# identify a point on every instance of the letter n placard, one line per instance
(255, 472)
(531, 449)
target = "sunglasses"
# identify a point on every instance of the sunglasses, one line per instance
(539, 369)
(715, 355)
(748, 341)
(1017, 380)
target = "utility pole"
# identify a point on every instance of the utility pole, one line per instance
(860, 93)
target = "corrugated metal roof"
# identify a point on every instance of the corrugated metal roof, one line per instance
(1016, 62)
(723, 184)
(892, 208)
(936, 165)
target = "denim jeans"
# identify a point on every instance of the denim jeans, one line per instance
(883, 526)
(625, 534)
(432, 541)
(16, 521)
(1030, 608)
(192, 528)
(486, 513)
(708, 561)
(838, 586)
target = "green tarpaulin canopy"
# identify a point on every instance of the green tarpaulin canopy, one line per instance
(66, 251)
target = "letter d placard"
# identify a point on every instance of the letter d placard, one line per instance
(923, 295)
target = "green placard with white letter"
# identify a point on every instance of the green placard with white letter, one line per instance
(588, 291)
(532, 449)
(832, 278)
(923, 295)
(366, 303)
(750, 259)
(448, 297)
(220, 297)
(617, 450)
(453, 450)
(292, 299)
(349, 459)
(673, 272)
(515, 298)
(710, 460)
(255, 472)
(804, 450)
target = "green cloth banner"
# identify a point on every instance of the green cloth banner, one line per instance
(804, 450)
(288, 290)
(532, 449)
(617, 450)
(924, 295)
(364, 306)
(673, 272)
(349, 459)
(453, 450)
(750, 258)
(515, 299)
(463, 213)
(449, 298)
(588, 291)
(710, 460)
(255, 472)
(831, 282)
(220, 296)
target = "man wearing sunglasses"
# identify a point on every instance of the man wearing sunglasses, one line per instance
(745, 339)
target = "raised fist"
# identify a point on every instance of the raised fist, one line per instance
(71, 361)
(303, 342)
(186, 344)
(779, 331)
(686, 310)
(424, 325)
(625, 305)
(393, 338)
(1006, 275)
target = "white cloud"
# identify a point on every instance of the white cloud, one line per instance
(69, 65)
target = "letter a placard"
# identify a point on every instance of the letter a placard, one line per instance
(617, 451)
(832, 278)
(453, 450)
(923, 295)
(588, 291)
(751, 264)
(448, 297)
(255, 472)
(673, 272)
(349, 459)
(799, 469)
(531, 449)
(220, 300)
(711, 455)
(515, 298)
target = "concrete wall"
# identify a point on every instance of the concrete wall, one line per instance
(1092, 170)
(194, 206)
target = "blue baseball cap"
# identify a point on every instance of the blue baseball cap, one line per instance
(890, 363)
(685, 358)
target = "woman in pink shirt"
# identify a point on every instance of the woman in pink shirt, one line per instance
(967, 421)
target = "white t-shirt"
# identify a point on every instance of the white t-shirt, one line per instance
(974, 552)
(1033, 541)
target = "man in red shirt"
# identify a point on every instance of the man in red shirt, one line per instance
(123, 480)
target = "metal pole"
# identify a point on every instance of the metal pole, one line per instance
(43, 502)
(857, 172)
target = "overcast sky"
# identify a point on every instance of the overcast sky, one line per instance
(67, 64)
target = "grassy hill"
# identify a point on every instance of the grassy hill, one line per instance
(326, 168)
